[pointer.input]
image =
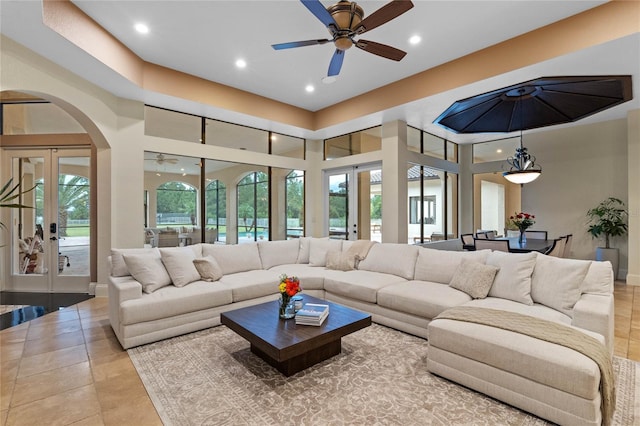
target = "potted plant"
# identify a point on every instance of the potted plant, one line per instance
(609, 218)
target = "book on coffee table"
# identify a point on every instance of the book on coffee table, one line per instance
(312, 314)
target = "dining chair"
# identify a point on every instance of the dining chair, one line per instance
(557, 249)
(567, 245)
(482, 235)
(468, 242)
(491, 235)
(498, 245)
(536, 235)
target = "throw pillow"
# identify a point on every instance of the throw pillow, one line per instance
(179, 264)
(474, 278)
(208, 268)
(340, 261)
(148, 270)
(438, 266)
(318, 250)
(556, 282)
(513, 280)
(118, 267)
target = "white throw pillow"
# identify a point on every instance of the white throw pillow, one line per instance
(208, 268)
(148, 270)
(513, 280)
(474, 278)
(118, 267)
(396, 259)
(556, 282)
(305, 246)
(439, 266)
(179, 264)
(274, 253)
(318, 250)
(599, 279)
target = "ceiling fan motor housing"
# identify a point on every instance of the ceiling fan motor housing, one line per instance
(347, 16)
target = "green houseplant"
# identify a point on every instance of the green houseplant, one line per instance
(608, 219)
(10, 197)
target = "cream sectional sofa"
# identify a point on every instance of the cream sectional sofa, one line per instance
(404, 287)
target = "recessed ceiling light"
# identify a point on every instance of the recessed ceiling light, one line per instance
(415, 39)
(309, 88)
(499, 151)
(241, 63)
(329, 79)
(141, 28)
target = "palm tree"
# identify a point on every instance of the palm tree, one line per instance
(73, 191)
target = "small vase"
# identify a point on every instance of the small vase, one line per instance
(286, 308)
(522, 239)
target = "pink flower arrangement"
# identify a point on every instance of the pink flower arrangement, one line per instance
(522, 220)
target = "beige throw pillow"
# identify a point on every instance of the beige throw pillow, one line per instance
(148, 270)
(340, 261)
(513, 280)
(474, 278)
(208, 268)
(178, 262)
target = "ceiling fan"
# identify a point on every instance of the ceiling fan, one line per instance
(161, 159)
(344, 20)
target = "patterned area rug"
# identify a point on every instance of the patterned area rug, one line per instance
(212, 378)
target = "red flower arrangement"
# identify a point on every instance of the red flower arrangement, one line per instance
(289, 287)
(522, 220)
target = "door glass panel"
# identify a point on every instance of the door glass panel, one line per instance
(73, 216)
(27, 223)
(338, 206)
(295, 204)
(370, 205)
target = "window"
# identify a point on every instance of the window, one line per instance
(216, 209)
(253, 207)
(295, 204)
(428, 207)
(368, 140)
(176, 204)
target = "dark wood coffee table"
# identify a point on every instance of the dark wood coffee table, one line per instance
(289, 347)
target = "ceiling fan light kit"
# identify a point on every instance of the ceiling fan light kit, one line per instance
(345, 20)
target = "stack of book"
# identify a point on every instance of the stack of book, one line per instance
(312, 314)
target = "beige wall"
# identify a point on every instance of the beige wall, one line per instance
(581, 166)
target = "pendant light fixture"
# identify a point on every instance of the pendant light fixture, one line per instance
(523, 165)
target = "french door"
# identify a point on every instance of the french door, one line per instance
(353, 202)
(50, 241)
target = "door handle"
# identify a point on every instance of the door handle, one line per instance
(54, 238)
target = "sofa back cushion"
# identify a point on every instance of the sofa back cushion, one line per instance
(438, 266)
(556, 282)
(599, 279)
(234, 258)
(305, 247)
(513, 280)
(274, 253)
(119, 267)
(388, 258)
(318, 249)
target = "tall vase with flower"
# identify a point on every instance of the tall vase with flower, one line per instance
(522, 221)
(289, 287)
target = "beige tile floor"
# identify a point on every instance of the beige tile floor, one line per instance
(68, 367)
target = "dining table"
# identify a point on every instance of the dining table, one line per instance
(531, 244)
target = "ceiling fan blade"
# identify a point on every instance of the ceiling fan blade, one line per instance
(383, 15)
(320, 12)
(336, 63)
(381, 50)
(292, 44)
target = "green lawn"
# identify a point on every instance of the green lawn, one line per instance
(78, 231)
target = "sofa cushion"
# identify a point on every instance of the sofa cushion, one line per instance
(556, 282)
(208, 268)
(318, 249)
(234, 258)
(171, 301)
(513, 280)
(251, 284)
(438, 266)
(535, 310)
(119, 267)
(599, 279)
(311, 277)
(358, 285)
(421, 298)
(179, 264)
(273, 253)
(305, 247)
(474, 278)
(396, 259)
(148, 270)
